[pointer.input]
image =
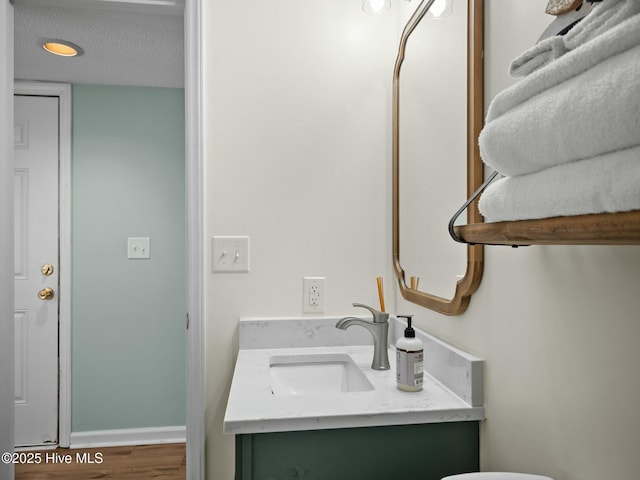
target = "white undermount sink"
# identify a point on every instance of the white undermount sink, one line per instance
(309, 374)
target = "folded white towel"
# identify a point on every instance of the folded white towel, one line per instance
(591, 114)
(608, 183)
(541, 54)
(618, 39)
(603, 17)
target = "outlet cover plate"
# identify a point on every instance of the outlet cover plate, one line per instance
(313, 294)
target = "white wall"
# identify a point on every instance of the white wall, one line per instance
(297, 149)
(297, 155)
(6, 238)
(558, 327)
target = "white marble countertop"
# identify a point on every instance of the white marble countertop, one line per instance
(253, 408)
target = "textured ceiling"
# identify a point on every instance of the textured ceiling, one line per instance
(130, 42)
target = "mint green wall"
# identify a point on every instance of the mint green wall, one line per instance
(128, 316)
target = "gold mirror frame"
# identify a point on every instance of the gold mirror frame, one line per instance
(466, 286)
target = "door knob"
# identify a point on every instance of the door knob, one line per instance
(47, 269)
(46, 294)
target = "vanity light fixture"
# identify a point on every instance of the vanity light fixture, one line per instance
(441, 9)
(438, 9)
(375, 6)
(61, 48)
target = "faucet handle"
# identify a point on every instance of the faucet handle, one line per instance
(378, 317)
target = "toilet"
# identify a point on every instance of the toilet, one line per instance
(496, 476)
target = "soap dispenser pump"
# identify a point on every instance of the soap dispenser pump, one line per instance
(409, 359)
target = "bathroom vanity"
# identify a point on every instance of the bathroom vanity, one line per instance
(305, 404)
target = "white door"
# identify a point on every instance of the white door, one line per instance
(36, 269)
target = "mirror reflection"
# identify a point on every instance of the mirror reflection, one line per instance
(432, 160)
(433, 104)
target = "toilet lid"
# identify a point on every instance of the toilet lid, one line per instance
(496, 476)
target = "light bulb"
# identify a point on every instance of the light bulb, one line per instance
(441, 9)
(375, 6)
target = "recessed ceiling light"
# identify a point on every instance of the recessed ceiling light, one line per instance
(61, 47)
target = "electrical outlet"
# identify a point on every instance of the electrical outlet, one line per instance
(313, 294)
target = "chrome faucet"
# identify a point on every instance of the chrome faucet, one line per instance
(379, 329)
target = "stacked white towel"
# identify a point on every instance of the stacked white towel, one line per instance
(610, 183)
(596, 23)
(572, 117)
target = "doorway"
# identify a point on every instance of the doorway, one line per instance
(58, 276)
(195, 347)
(37, 269)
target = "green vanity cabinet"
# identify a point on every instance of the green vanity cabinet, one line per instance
(419, 452)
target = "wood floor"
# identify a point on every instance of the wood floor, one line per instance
(164, 462)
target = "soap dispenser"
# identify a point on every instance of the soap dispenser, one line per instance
(409, 359)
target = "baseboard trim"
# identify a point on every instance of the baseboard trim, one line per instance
(128, 436)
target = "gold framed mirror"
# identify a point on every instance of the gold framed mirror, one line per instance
(444, 80)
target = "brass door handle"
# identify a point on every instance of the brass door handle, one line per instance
(46, 294)
(47, 269)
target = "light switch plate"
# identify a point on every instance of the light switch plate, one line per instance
(138, 248)
(230, 254)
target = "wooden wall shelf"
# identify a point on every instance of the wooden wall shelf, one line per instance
(621, 228)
